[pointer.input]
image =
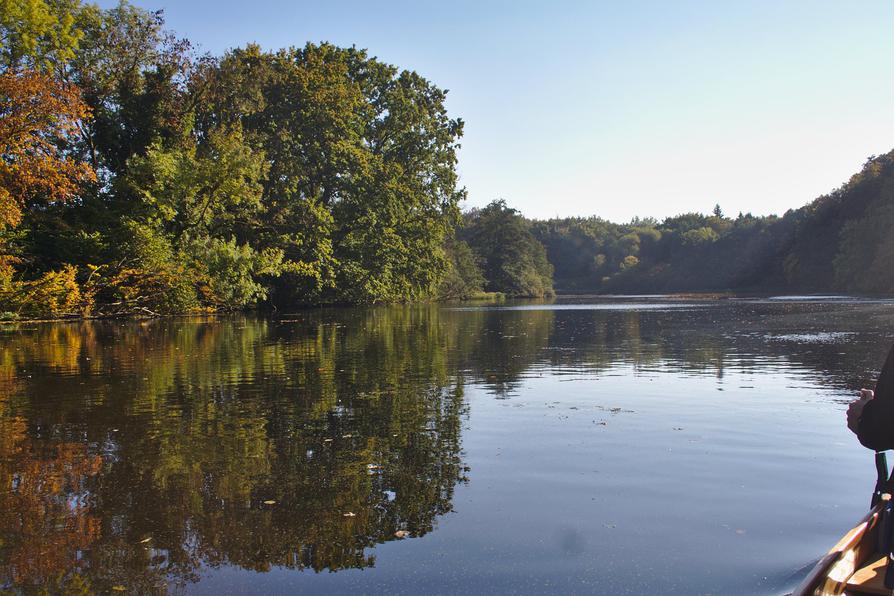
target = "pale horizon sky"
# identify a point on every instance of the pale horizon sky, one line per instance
(618, 109)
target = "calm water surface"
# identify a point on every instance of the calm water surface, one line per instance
(640, 445)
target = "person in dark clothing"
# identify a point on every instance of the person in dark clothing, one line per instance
(871, 416)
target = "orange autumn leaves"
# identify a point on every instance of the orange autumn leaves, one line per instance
(38, 117)
(45, 514)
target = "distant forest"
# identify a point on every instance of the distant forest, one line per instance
(840, 242)
(138, 176)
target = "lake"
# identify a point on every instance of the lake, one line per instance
(623, 445)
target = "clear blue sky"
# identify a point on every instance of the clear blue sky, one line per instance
(616, 108)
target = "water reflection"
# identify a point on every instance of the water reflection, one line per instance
(131, 455)
(136, 455)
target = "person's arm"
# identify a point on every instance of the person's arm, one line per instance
(875, 428)
(875, 416)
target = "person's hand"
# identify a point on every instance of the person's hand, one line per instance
(855, 409)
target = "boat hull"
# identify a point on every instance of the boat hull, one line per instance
(837, 572)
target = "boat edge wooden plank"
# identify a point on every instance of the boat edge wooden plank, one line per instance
(829, 576)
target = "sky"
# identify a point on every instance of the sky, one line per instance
(617, 109)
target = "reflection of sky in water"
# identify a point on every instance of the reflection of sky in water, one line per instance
(831, 298)
(809, 338)
(623, 306)
(817, 298)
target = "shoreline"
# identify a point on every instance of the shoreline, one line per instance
(482, 297)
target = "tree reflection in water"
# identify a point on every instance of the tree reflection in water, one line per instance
(133, 455)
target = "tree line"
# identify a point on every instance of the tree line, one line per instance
(840, 242)
(140, 176)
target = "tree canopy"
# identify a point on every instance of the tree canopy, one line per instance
(305, 175)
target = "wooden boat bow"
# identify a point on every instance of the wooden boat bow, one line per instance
(853, 566)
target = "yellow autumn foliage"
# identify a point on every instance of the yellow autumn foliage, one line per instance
(53, 294)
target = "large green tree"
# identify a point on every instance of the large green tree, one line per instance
(362, 188)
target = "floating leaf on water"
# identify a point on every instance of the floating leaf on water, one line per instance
(145, 540)
(372, 467)
(270, 502)
(349, 514)
(401, 534)
(347, 436)
(119, 588)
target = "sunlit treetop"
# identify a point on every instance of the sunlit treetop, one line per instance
(38, 34)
